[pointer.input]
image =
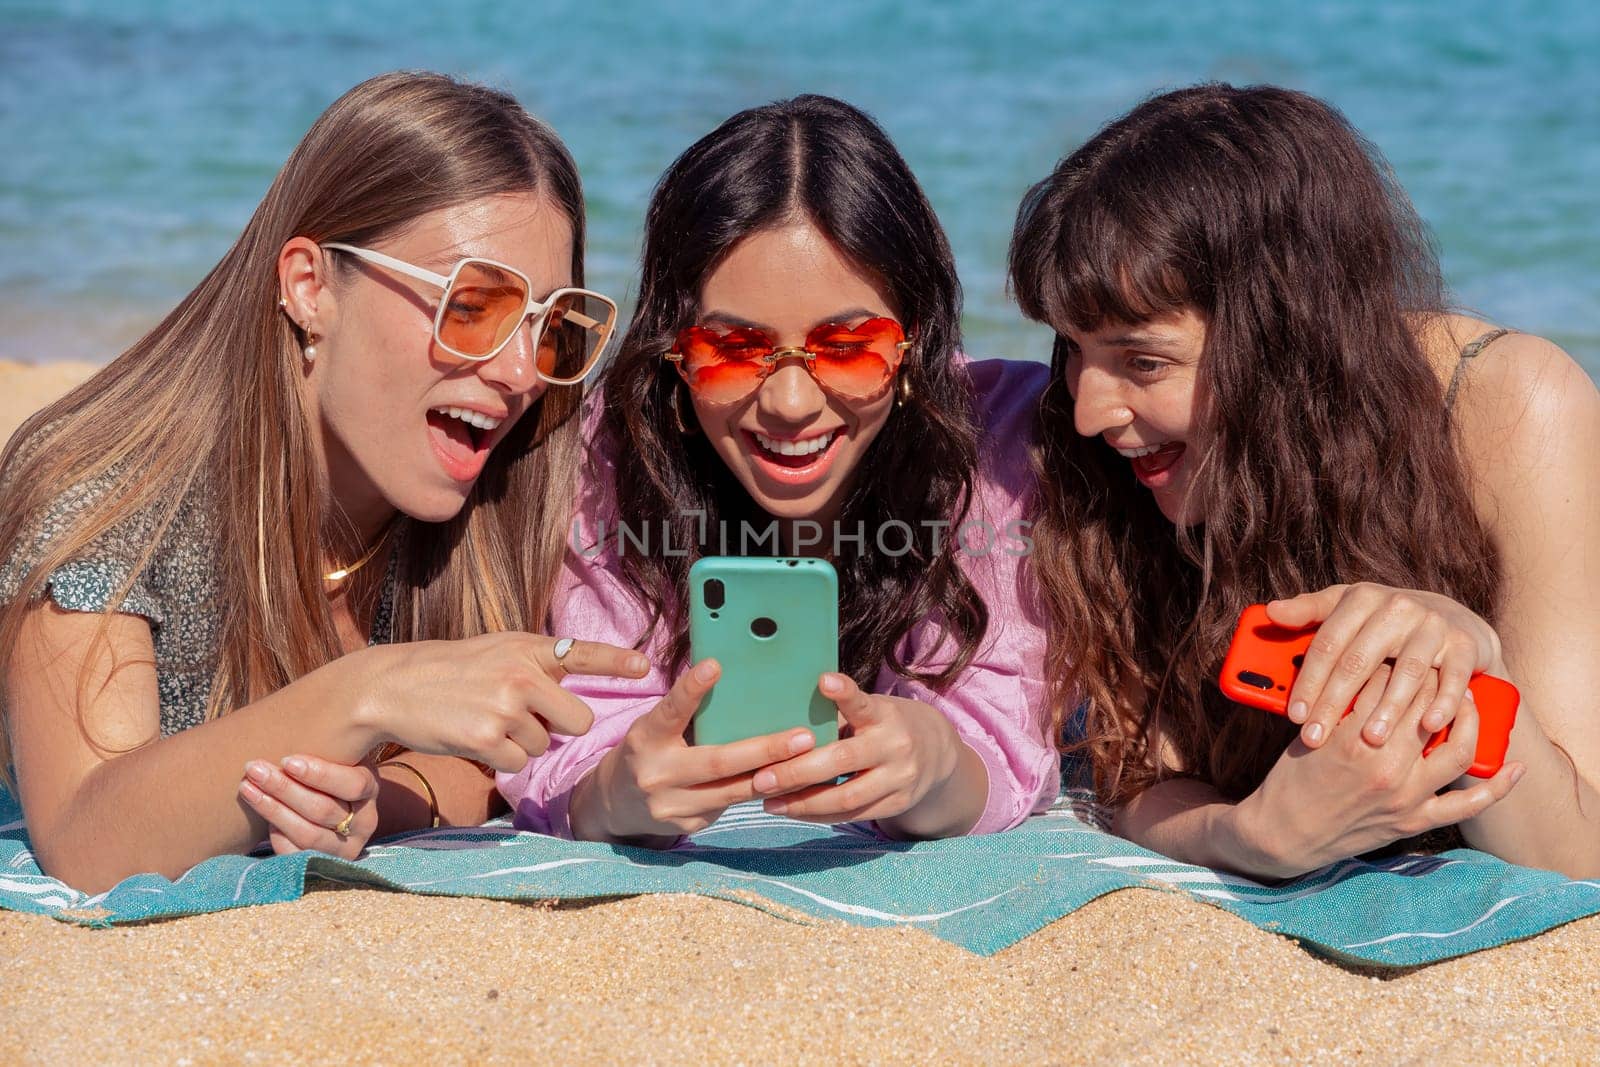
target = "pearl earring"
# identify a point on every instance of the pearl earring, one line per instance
(311, 347)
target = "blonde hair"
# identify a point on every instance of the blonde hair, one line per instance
(225, 359)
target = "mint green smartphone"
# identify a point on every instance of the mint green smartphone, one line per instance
(773, 625)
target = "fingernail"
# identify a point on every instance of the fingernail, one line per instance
(776, 807)
(250, 792)
(1468, 695)
(1297, 711)
(765, 781)
(798, 743)
(831, 684)
(705, 672)
(296, 766)
(1377, 729)
(257, 771)
(1313, 733)
(1517, 772)
(638, 664)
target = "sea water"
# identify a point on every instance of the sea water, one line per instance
(136, 137)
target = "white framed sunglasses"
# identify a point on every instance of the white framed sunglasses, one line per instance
(485, 303)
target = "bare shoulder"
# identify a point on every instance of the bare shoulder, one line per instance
(1522, 399)
(1528, 423)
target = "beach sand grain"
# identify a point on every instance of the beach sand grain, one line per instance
(362, 976)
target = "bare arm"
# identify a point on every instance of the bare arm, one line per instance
(466, 796)
(1318, 805)
(1190, 821)
(105, 796)
(103, 799)
(1531, 429)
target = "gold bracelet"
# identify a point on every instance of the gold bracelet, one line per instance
(433, 798)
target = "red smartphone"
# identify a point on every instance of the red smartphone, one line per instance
(1264, 658)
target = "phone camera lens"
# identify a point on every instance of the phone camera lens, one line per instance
(763, 627)
(1259, 681)
(716, 593)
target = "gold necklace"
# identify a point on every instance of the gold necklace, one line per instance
(344, 572)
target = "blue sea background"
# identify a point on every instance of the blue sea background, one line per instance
(137, 137)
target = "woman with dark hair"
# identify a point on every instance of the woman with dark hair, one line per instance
(1258, 394)
(793, 367)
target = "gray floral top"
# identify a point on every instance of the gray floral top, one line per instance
(177, 591)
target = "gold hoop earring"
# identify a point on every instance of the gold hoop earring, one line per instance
(677, 410)
(903, 391)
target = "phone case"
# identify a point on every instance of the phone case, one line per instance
(1264, 658)
(775, 631)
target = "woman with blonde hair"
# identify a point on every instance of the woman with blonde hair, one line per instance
(317, 510)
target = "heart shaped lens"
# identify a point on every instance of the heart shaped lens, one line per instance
(856, 362)
(723, 367)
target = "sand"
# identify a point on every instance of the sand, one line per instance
(26, 387)
(367, 977)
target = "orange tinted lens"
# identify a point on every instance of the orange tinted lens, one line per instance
(723, 368)
(576, 330)
(481, 309)
(856, 361)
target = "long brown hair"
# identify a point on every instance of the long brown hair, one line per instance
(1328, 453)
(207, 407)
(818, 159)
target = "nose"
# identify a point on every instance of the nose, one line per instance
(513, 369)
(1098, 403)
(790, 395)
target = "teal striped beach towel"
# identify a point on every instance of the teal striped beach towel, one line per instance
(982, 893)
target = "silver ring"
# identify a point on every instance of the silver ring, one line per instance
(562, 647)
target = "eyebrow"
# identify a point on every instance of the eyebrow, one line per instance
(1154, 341)
(443, 261)
(727, 318)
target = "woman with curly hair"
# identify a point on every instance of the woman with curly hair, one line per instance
(1259, 394)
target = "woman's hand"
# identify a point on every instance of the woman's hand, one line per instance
(898, 753)
(306, 801)
(1349, 796)
(654, 786)
(495, 698)
(1364, 625)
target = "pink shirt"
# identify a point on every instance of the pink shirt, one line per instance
(996, 705)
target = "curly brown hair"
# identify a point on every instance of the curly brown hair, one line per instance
(1329, 454)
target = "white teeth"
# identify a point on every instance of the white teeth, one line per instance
(1135, 453)
(471, 418)
(807, 447)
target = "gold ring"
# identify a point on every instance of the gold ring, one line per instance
(343, 829)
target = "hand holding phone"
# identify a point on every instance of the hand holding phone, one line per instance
(654, 786)
(1264, 657)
